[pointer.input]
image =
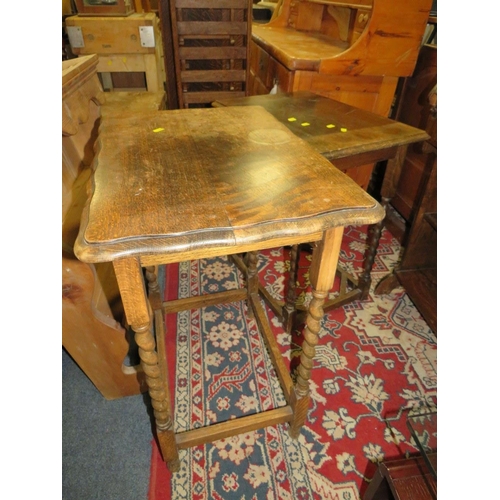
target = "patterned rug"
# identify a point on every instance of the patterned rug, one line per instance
(376, 360)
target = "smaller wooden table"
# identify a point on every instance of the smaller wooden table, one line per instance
(349, 138)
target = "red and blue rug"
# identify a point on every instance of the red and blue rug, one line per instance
(376, 359)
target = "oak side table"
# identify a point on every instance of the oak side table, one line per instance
(349, 138)
(177, 185)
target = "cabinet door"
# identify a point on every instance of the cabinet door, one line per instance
(412, 100)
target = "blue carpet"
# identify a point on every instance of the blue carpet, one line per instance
(106, 445)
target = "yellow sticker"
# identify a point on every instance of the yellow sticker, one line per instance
(124, 60)
(343, 129)
(159, 129)
(292, 119)
(330, 125)
(305, 124)
(110, 63)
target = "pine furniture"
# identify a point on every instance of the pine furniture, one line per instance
(196, 183)
(92, 332)
(354, 52)
(129, 47)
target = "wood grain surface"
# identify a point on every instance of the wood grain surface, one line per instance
(332, 128)
(175, 181)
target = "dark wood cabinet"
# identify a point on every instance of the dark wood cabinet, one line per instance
(416, 197)
(413, 109)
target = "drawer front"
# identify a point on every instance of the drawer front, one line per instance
(277, 73)
(259, 62)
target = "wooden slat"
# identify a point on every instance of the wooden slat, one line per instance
(350, 5)
(432, 219)
(204, 97)
(204, 301)
(212, 52)
(159, 326)
(211, 75)
(210, 4)
(337, 302)
(274, 351)
(233, 427)
(275, 305)
(211, 28)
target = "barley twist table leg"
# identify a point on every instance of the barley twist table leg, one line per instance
(153, 287)
(290, 310)
(137, 309)
(373, 239)
(311, 338)
(252, 278)
(157, 391)
(322, 274)
(388, 190)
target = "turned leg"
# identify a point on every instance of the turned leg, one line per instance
(387, 192)
(324, 263)
(252, 279)
(290, 309)
(137, 310)
(153, 288)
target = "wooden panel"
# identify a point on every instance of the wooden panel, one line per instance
(129, 80)
(410, 110)
(91, 305)
(118, 103)
(309, 17)
(116, 35)
(129, 62)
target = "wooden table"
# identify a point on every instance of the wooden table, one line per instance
(171, 186)
(350, 138)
